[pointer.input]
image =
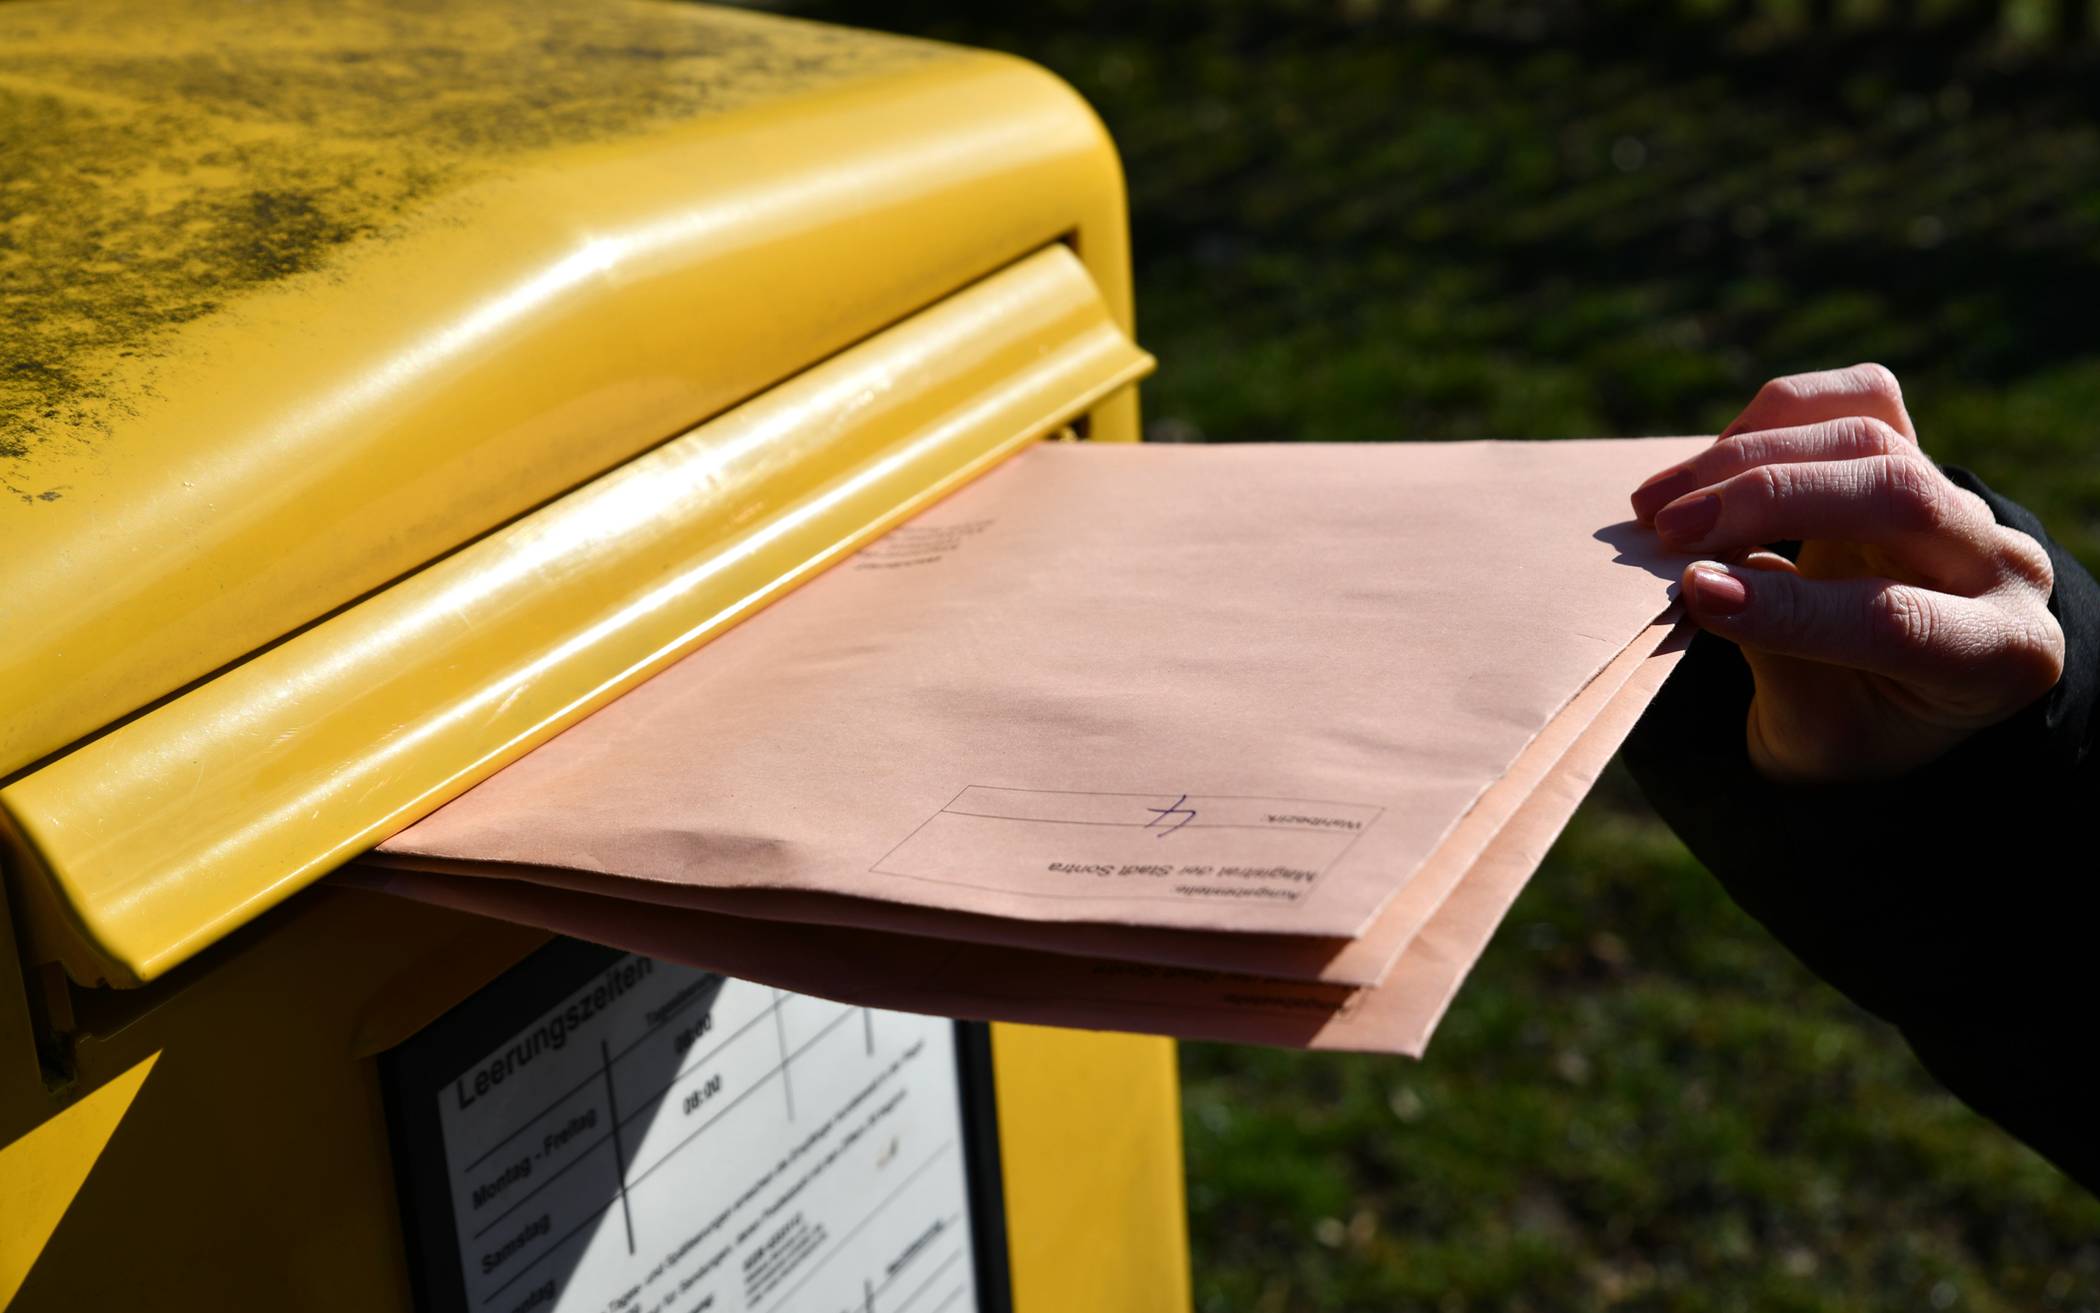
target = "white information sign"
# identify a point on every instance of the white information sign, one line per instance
(664, 1140)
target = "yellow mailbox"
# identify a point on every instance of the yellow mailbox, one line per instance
(386, 386)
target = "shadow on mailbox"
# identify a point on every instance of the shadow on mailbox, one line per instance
(527, 1119)
(592, 1130)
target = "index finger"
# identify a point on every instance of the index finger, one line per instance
(1800, 399)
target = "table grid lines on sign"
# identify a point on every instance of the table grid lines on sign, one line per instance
(628, 1182)
(644, 1037)
(665, 1175)
(612, 1103)
(939, 1152)
(787, 1083)
(946, 1264)
(780, 1067)
(640, 1110)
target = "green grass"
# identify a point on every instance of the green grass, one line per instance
(1637, 1101)
(1385, 221)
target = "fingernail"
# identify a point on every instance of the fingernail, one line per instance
(1714, 591)
(1661, 489)
(1686, 521)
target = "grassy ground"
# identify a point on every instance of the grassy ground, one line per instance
(1358, 222)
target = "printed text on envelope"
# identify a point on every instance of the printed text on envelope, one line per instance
(1054, 843)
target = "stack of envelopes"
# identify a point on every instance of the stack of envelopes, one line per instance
(1248, 743)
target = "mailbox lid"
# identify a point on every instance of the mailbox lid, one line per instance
(299, 301)
(147, 844)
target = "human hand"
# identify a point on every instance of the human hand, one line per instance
(1910, 619)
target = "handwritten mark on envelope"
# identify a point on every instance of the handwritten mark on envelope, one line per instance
(1064, 843)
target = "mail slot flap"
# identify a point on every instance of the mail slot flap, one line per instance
(149, 842)
(299, 304)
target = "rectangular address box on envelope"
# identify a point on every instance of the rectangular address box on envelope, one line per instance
(1131, 845)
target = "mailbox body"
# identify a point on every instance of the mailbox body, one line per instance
(397, 384)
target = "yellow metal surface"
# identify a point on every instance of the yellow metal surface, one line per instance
(155, 839)
(225, 1147)
(306, 308)
(299, 299)
(1090, 1139)
(41, 1175)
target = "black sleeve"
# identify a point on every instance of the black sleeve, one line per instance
(1960, 902)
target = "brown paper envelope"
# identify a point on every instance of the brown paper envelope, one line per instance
(1244, 689)
(1401, 1013)
(952, 978)
(1362, 961)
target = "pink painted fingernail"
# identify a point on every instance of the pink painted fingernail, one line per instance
(1714, 591)
(1661, 489)
(1687, 520)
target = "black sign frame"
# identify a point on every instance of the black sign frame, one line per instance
(411, 1074)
